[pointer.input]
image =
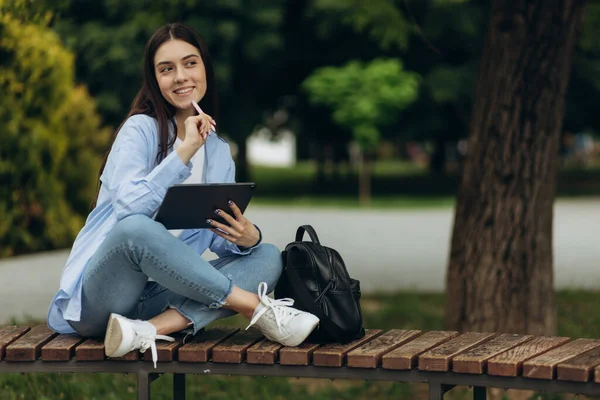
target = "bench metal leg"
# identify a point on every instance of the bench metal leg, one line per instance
(178, 386)
(438, 390)
(479, 393)
(143, 386)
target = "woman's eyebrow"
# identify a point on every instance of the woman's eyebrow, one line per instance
(183, 59)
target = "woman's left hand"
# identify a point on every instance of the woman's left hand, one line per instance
(241, 231)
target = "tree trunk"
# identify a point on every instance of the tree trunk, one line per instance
(500, 274)
(241, 166)
(364, 179)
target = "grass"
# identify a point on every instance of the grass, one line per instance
(405, 310)
(395, 184)
(379, 202)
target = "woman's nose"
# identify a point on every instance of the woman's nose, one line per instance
(181, 76)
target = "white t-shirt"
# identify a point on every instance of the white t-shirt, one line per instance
(197, 175)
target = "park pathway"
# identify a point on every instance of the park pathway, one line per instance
(386, 250)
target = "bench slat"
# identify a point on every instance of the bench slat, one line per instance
(233, 350)
(580, 368)
(406, 356)
(334, 355)
(300, 355)
(90, 350)
(475, 360)
(263, 352)
(544, 366)
(369, 355)
(61, 348)
(597, 374)
(28, 346)
(510, 363)
(199, 349)
(8, 335)
(440, 358)
(166, 351)
(133, 355)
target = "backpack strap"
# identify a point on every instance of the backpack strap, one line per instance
(309, 304)
(311, 233)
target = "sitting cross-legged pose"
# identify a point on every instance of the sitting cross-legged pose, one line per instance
(130, 279)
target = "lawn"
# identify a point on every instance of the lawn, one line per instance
(395, 184)
(577, 317)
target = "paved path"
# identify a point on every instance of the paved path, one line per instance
(385, 250)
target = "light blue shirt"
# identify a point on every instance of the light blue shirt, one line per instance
(133, 183)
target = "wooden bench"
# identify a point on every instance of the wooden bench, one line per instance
(440, 358)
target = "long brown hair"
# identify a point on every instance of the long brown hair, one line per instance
(149, 100)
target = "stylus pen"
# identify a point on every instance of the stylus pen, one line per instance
(197, 107)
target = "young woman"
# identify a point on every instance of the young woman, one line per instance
(127, 277)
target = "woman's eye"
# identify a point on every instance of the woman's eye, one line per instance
(192, 63)
(165, 69)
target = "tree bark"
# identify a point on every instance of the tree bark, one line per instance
(500, 274)
(365, 167)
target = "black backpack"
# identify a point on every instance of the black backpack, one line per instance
(316, 278)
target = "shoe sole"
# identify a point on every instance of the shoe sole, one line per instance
(114, 336)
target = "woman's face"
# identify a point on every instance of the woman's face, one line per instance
(180, 74)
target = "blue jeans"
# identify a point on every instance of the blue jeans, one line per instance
(116, 277)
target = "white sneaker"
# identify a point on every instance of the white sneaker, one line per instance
(281, 323)
(124, 335)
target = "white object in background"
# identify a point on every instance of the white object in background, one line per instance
(279, 152)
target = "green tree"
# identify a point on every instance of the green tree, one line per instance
(49, 136)
(364, 98)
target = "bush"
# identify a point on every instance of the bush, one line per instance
(50, 139)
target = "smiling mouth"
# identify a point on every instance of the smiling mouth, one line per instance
(184, 90)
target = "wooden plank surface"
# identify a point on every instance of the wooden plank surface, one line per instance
(263, 352)
(61, 348)
(166, 351)
(369, 355)
(28, 346)
(200, 348)
(406, 356)
(510, 363)
(9, 334)
(300, 355)
(90, 350)
(233, 350)
(440, 358)
(544, 366)
(334, 355)
(133, 355)
(597, 375)
(580, 368)
(475, 360)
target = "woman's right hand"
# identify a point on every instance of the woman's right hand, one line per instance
(197, 128)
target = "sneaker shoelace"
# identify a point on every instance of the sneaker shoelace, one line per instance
(280, 307)
(149, 342)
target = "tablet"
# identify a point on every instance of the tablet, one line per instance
(189, 206)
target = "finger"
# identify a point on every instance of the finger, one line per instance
(236, 211)
(231, 230)
(229, 219)
(229, 238)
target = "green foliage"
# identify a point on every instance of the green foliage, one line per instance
(381, 19)
(364, 97)
(50, 139)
